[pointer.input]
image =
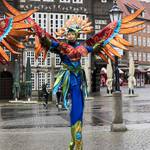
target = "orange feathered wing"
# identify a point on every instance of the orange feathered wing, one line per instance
(31, 23)
(109, 38)
(11, 28)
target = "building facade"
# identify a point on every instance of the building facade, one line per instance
(140, 40)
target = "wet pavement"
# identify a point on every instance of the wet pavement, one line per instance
(31, 127)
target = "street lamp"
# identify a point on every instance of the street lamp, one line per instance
(115, 15)
(117, 120)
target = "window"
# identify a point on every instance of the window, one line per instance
(139, 41)
(148, 28)
(135, 40)
(144, 56)
(130, 54)
(33, 80)
(49, 78)
(144, 30)
(99, 24)
(41, 19)
(30, 54)
(135, 56)
(132, 11)
(148, 56)
(148, 42)
(130, 38)
(77, 1)
(83, 61)
(49, 59)
(139, 56)
(40, 59)
(143, 14)
(144, 41)
(57, 61)
(41, 79)
(65, 1)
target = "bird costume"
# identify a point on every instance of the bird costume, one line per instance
(71, 76)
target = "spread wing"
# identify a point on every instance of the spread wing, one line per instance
(37, 29)
(11, 29)
(108, 38)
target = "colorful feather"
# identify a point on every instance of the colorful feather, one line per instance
(9, 47)
(3, 54)
(117, 44)
(131, 24)
(14, 42)
(131, 30)
(132, 16)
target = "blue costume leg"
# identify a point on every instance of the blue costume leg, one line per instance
(76, 116)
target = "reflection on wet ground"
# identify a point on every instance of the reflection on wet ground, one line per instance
(98, 112)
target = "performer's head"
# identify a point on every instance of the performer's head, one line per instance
(71, 36)
(72, 33)
(74, 27)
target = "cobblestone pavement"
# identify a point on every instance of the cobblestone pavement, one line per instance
(31, 127)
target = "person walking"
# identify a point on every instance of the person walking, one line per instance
(45, 95)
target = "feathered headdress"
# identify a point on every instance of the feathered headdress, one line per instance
(76, 24)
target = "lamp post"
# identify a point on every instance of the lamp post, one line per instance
(116, 14)
(117, 120)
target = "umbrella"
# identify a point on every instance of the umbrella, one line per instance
(109, 76)
(28, 79)
(131, 79)
(16, 79)
(131, 67)
(109, 69)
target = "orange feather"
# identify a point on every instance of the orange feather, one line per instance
(117, 44)
(131, 24)
(131, 30)
(14, 42)
(122, 41)
(9, 47)
(112, 50)
(132, 16)
(3, 54)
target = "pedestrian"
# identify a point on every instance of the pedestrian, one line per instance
(59, 100)
(45, 95)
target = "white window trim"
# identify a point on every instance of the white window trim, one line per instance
(77, 1)
(64, 1)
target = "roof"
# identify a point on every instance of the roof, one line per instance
(134, 4)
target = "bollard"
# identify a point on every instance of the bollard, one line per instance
(117, 120)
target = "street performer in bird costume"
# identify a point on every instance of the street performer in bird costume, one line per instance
(71, 76)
